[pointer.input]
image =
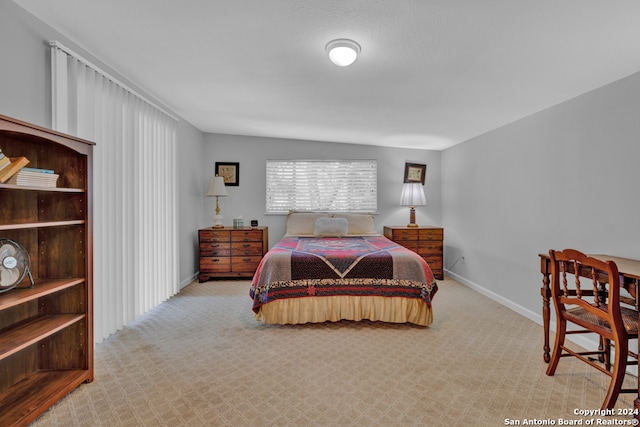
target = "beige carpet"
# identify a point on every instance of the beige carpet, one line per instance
(201, 359)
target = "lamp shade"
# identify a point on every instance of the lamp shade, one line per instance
(216, 187)
(412, 194)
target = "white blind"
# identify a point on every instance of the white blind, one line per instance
(135, 218)
(322, 185)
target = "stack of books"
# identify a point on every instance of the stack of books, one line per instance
(35, 177)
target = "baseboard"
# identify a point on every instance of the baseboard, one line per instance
(189, 280)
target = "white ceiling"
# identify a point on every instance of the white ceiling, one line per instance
(432, 73)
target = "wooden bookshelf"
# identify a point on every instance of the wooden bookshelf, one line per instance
(46, 331)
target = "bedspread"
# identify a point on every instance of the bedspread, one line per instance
(328, 266)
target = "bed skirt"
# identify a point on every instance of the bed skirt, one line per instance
(335, 308)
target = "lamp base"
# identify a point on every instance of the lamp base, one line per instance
(217, 221)
(412, 217)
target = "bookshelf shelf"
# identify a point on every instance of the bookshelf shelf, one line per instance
(39, 225)
(32, 188)
(52, 386)
(45, 287)
(20, 337)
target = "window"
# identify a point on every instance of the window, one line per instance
(322, 185)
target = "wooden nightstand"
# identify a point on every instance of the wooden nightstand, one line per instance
(231, 252)
(425, 241)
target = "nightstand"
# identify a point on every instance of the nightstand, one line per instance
(424, 240)
(231, 252)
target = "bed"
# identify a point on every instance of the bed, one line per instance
(332, 267)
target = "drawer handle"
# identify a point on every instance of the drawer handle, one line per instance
(246, 245)
(247, 259)
(216, 260)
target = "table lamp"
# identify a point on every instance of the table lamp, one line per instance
(217, 188)
(412, 195)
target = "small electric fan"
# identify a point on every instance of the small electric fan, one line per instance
(14, 265)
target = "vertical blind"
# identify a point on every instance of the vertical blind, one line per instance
(322, 185)
(135, 260)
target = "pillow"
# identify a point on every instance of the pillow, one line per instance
(331, 227)
(303, 223)
(358, 223)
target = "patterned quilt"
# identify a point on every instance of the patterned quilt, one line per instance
(322, 266)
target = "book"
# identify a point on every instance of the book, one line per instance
(17, 163)
(4, 161)
(38, 170)
(34, 179)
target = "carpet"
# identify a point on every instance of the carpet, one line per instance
(200, 359)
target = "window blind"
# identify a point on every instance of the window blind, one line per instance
(135, 217)
(322, 185)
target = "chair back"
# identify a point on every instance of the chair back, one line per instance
(594, 285)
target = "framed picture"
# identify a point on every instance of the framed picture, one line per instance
(414, 172)
(230, 172)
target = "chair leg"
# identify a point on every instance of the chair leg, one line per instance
(561, 331)
(607, 353)
(617, 376)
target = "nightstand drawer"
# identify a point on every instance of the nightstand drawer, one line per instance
(399, 235)
(409, 244)
(430, 248)
(435, 262)
(215, 264)
(246, 248)
(245, 264)
(210, 249)
(431, 234)
(246, 235)
(214, 236)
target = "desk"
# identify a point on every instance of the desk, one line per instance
(629, 270)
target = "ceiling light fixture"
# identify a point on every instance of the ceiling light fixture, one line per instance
(342, 52)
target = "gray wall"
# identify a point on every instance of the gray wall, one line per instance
(248, 199)
(189, 166)
(564, 177)
(25, 93)
(25, 80)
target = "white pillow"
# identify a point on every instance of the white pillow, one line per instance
(359, 224)
(303, 223)
(331, 227)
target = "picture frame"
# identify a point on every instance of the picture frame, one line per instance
(415, 172)
(230, 172)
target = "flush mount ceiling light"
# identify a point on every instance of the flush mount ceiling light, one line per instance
(342, 52)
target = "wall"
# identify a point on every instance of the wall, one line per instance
(25, 93)
(248, 199)
(25, 81)
(564, 177)
(189, 164)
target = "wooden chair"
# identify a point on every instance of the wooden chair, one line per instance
(591, 299)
